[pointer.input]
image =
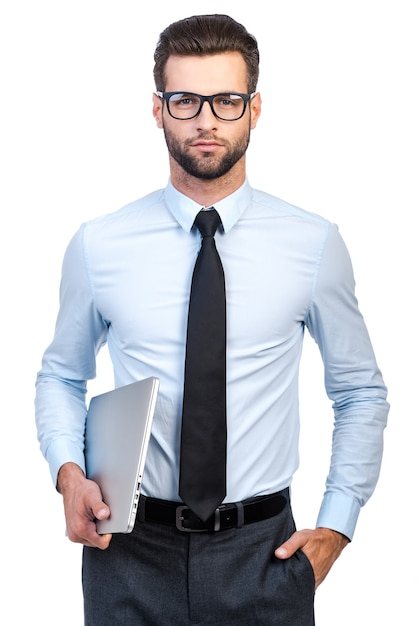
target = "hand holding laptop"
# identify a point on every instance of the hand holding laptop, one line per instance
(83, 505)
(118, 429)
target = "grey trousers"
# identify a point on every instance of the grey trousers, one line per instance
(159, 576)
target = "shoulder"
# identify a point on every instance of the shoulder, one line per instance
(139, 209)
(115, 229)
(269, 205)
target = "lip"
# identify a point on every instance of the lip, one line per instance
(206, 146)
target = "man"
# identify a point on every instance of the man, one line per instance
(126, 281)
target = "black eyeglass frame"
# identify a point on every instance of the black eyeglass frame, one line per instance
(166, 95)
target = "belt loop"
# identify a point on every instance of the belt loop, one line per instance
(217, 521)
(240, 514)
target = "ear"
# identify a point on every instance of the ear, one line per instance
(157, 109)
(255, 109)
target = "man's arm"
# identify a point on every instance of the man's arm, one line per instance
(60, 404)
(354, 383)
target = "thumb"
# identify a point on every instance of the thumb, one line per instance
(288, 548)
(101, 510)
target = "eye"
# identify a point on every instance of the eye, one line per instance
(228, 100)
(185, 100)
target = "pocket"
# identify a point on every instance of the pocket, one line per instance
(305, 567)
(287, 590)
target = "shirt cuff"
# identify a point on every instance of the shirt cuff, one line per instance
(62, 451)
(339, 512)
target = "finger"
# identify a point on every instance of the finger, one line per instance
(92, 540)
(103, 541)
(101, 545)
(85, 531)
(91, 537)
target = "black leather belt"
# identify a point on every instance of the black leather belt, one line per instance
(232, 515)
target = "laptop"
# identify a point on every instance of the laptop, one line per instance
(118, 429)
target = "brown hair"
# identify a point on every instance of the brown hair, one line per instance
(205, 35)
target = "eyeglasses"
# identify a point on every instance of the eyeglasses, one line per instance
(228, 107)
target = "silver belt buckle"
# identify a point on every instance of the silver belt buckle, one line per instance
(180, 518)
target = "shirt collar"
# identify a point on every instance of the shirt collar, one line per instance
(185, 209)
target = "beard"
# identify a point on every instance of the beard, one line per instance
(206, 165)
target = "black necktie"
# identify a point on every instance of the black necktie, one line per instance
(203, 436)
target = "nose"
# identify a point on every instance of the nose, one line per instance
(206, 118)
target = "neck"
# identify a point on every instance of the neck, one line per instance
(207, 192)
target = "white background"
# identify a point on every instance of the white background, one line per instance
(338, 136)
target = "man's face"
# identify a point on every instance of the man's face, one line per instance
(206, 147)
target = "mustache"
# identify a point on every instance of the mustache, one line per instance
(204, 137)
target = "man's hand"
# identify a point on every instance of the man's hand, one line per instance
(83, 505)
(322, 546)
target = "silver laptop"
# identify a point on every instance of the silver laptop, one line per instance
(118, 430)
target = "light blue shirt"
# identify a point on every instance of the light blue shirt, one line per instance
(126, 280)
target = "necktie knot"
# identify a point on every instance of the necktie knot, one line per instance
(207, 222)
